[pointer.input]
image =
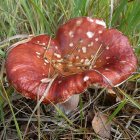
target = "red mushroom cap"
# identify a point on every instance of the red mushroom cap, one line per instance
(83, 53)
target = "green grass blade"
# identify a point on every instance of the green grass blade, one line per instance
(119, 11)
(14, 117)
(8, 100)
(129, 98)
(2, 53)
(63, 9)
(120, 106)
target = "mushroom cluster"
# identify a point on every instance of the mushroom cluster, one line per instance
(83, 53)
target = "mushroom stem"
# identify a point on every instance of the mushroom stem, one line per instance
(69, 105)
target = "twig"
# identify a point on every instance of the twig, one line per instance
(111, 12)
(15, 37)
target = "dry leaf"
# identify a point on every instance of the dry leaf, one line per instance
(100, 126)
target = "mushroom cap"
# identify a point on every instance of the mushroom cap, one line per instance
(83, 53)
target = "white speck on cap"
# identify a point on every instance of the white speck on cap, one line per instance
(96, 39)
(87, 62)
(107, 58)
(90, 34)
(37, 53)
(84, 49)
(71, 44)
(82, 60)
(86, 78)
(123, 61)
(56, 47)
(90, 19)
(106, 69)
(90, 44)
(107, 48)
(38, 41)
(90, 67)
(43, 44)
(100, 31)
(78, 22)
(77, 57)
(100, 22)
(81, 41)
(71, 34)
(59, 81)
(57, 55)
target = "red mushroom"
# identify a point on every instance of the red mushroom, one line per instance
(83, 53)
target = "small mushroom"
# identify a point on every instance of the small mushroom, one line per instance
(83, 53)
